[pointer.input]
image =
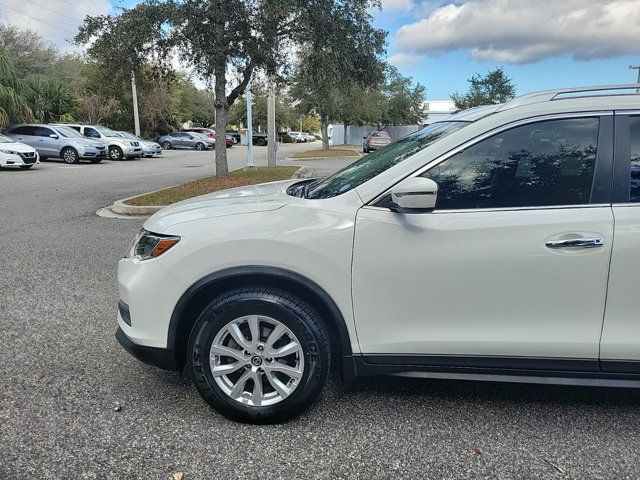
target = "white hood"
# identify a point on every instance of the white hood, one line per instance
(249, 199)
(17, 147)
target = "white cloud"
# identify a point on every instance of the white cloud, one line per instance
(56, 21)
(404, 59)
(524, 31)
(397, 5)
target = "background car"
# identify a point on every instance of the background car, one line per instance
(235, 136)
(190, 140)
(297, 137)
(149, 149)
(118, 148)
(16, 154)
(58, 141)
(375, 140)
(211, 133)
(309, 138)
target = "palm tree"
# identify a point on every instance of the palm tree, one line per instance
(49, 99)
(13, 106)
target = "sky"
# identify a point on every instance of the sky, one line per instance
(441, 43)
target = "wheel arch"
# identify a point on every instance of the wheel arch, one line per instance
(206, 289)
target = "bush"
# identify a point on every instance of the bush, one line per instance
(286, 139)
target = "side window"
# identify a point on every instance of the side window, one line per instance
(540, 164)
(634, 140)
(43, 131)
(91, 132)
(24, 130)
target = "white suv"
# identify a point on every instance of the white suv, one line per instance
(500, 244)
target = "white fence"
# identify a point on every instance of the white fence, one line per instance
(355, 133)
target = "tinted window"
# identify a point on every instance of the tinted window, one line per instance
(43, 132)
(539, 164)
(24, 130)
(380, 134)
(634, 138)
(91, 133)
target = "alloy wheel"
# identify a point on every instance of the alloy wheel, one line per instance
(256, 360)
(70, 156)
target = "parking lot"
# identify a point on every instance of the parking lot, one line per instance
(62, 374)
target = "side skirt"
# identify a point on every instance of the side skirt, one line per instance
(552, 371)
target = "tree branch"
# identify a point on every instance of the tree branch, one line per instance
(240, 88)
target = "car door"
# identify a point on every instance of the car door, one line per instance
(25, 134)
(490, 277)
(620, 344)
(48, 142)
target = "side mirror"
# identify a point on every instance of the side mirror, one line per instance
(414, 195)
(364, 138)
(53, 135)
(190, 137)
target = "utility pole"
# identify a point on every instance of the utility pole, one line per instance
(134, 93)
(271, 125)
(249, 127)
(636, 67)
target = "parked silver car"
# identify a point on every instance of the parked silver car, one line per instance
(58, 141)
(186, 140)
(118, 148)
(375, 140)
(149, 149)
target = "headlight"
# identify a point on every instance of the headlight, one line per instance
(150, 245)
(132, 144)
(9, 152)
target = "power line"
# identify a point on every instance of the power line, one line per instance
(54, 12)
(39, 20)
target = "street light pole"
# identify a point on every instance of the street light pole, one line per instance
(636, 67)
(134, 93)
(249, 126)
(271, 125)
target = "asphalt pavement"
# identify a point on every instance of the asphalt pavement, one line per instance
(63, 375)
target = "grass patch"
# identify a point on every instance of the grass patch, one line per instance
(334, 152)
(237, 178)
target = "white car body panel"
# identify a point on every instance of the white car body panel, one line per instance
(480, 283)
(14, 160)
(621, 331)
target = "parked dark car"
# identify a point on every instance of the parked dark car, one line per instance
(235, 136)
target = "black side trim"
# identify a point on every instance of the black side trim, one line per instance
(622, 165)
(620, 366)
(603, 176)
(159, 357)
(484, 361)
(528, 369)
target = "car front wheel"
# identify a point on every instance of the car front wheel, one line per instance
(259, 355)
(69, 155)
(115, 153)
(166, 146)
(261, 142)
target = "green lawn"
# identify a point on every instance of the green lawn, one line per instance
(334, 152)
(236, 178)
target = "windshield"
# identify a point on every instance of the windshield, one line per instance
(377, 162)
(106, 132)
(128, 135)
(68, 132)
(4, 139)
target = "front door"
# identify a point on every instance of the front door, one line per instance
(512, 265)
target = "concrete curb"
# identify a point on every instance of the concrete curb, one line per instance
(349, 157)
(121, 209)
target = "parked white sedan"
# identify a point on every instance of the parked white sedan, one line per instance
(16, 154)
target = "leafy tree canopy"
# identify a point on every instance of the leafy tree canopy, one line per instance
(494, 87)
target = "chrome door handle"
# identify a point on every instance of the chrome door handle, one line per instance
(587, 242)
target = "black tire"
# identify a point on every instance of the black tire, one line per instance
(25, 167)
(166, 145)
(95, 160)
(200, 146)
(115, 153)
(296, 315)
(261, 142)
(69, 155)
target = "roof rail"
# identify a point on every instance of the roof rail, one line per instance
(550, 95)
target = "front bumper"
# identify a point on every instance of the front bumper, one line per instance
(152, 151)
(164, 358)
(18, 159)
(131, 152)
(92, 152)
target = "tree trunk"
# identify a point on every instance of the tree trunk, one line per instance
(344, 126)
(325, 132)
(222, 167)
